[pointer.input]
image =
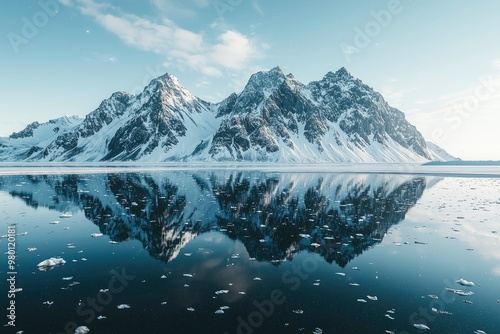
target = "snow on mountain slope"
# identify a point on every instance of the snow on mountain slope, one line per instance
(35, 137)
(275, 119)
(439, 154)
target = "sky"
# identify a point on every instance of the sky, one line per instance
(437, 61)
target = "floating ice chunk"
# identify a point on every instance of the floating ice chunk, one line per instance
(67, 278)
(163, 276)
(101, 317)
(317, 330)
(372, 297)
(316, 283)
(103, 290)
(298, 311)
(435, 310)
(82, 330)
(123, 306)
(389, 316)
(242, 293)
(66, 228)
(84, 259)
(31, 249)
(190, 309)
(95, 235)
(188, 254)
(304, 235)
(113, 242)
(224, 307)
(467, 301)
(421, 327)
(187, 275)
(355, 268)
(315, 244)
(464, 293)
(219, 311)
(66, 215)
(433, 297)
(390, 332)
(257, 279)
(74, 283)
(479, 332)
(163, 303)
(50, 263)
(220, 292)
(354, 284)
(465, 282)
(71, 246)
(340, 274)
(48, 303)
(55, 222)
(361, 300)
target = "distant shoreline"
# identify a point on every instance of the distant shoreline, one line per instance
(441, 170)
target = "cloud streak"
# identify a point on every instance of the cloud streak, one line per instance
(229, 51)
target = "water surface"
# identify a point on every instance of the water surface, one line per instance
(253, 252)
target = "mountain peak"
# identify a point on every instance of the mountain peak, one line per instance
(343, 73)
(276, 69)
(169, 79)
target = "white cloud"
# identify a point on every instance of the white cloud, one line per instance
(182, 48)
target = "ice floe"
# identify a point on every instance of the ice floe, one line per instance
(82, 330)
(95, 235)
(66, 215)
(123, 306)
(50, 263)
(421, 327)
(465, 282)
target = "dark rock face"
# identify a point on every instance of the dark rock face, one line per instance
(26, 132)
(274, 106)
(274, 118)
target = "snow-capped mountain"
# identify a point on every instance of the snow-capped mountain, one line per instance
(275, 118)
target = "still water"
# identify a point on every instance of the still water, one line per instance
(252, 252)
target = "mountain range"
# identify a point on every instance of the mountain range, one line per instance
(275, 118)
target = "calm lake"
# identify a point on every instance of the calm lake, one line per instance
(251, 252)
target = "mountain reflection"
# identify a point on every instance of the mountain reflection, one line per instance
(275, 215)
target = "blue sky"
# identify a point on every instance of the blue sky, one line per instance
(437, 61)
